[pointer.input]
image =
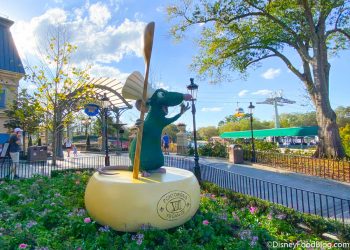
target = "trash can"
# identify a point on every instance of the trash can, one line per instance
(37, 153)
(235, 153)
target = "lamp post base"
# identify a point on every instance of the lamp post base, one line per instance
(107, 163)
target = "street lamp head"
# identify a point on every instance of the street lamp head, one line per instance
(251, 108)
(192, 89)
(105, 101)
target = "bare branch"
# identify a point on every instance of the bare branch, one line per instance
(288, 63)
(259, 59)
(308, 15)
(341, 31)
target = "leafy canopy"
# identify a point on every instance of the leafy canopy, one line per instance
(25, 112)
(240, 33)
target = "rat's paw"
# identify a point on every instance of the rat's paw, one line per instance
(162, 170)
(138, 123)
(184, 108)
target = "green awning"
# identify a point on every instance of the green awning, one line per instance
(262, 133)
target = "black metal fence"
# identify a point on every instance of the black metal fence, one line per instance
(304, 201)
(25, 169)
(326, 168)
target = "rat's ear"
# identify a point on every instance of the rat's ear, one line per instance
(138, 105)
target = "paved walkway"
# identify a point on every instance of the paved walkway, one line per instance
(283, 177)
(310, 194)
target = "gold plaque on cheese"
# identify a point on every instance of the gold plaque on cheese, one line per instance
(174, 205)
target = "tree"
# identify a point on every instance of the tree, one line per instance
(343, 115)
(97, 125)
(345, 136)
(298, 119)
(207, 132)
(241, 33)
(229, 118)
(24, 113)
(62, 87)
(244, 124)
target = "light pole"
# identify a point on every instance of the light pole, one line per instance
(251, 110)
(192, 89)
(87, 123)
(105, 104)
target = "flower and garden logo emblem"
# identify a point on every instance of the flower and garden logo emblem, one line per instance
(174, 205)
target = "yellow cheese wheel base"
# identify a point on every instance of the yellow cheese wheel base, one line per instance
(163, 200)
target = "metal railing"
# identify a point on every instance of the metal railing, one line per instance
(326, 168)
(25, 169)
(304, 201)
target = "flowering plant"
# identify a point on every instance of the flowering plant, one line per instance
(49, 213)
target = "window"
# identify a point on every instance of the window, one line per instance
(2, 98)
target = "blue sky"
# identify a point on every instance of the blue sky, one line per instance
(108, 36)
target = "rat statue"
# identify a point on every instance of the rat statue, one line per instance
(158, 101)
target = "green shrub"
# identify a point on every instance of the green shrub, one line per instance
(259, 145)
(215, 149)
(49, 214)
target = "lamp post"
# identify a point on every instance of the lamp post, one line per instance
(105, 103)
(251, 110)
(192, 89)
(87, 123)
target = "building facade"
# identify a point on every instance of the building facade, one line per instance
(11, 71)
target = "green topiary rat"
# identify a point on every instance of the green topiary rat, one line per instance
(151, 157)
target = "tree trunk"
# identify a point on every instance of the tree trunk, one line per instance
(59, 142)
(59, 134)
(54, 152)
(330, 144)
(329, 139)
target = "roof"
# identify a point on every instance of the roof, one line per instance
(262, 133)
(112, 88)
(9, 58)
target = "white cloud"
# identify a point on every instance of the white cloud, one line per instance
(99, 14)
(97, 41)
(243, 92)
(271, 73)
(107, 71)
(262, 92)
(214, 109)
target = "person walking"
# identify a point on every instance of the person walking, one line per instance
(75, 151)
(15, 143)
(68, 144)
(165, 142)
